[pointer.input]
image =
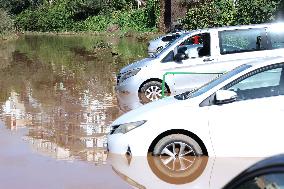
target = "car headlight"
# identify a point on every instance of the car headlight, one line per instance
(129, 74)
(126, 127)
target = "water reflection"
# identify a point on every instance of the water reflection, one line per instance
(61, 88)
(127, 102)
(203, 172)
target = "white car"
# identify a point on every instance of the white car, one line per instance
(209, 51)
(239, 114)
(160, 42)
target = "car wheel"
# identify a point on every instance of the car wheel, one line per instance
(151, 91)
(178, 159)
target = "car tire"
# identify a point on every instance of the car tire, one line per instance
(151, 91)
(179, 139)
(177, 168)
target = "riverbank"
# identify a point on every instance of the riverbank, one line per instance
(8, 37)
(141, 36)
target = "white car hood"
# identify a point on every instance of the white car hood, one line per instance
(138, 64)
(144, 112)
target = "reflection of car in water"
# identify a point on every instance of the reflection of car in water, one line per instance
(217, 119)
(127, 102)
(192, 172)
(266, 174)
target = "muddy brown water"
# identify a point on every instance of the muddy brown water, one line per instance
(57, 100)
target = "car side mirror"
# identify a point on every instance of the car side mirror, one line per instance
(179, 57)
(225, 96)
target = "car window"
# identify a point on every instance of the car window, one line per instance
(273, 181)
(170, 38)
(208, 86)
(276, 38)
(169, 57)
(245, 40)
(196, 46)
(264, 82)
(173, 42)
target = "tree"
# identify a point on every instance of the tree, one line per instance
(256, 11)
(6, 23)
(15, 7)
(162, 27)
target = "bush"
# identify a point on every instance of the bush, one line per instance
(214, 13)
(127, 20)
(210, 14)
(256, 11)
(95, 23)
(54, 17)
(89, 15)
(6, 23)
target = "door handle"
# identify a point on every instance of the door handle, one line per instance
(207, 60)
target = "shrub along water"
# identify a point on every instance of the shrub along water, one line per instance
(70, 15)
(212, 13)
(6, 23)
(124, 15)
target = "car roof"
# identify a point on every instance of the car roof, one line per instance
(266, 61)
(240, 27)
(277, 160)
(268, 165)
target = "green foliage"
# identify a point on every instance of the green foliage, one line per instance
(6, 23)
(17, 6)
(84, 15)
(94, 23)
(152, 13)
(82, 9)
(115, 5)
(256, 11)
(214, 13)
(209, 14)
(54, 17)
(100, 15)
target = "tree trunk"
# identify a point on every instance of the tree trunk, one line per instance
(162, 27)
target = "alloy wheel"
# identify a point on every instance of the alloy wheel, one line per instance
(178, 156)
(153, 93)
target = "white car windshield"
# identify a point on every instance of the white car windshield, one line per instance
(168, 45)
(198, 91)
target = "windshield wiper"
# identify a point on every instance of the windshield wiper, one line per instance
(185, 95)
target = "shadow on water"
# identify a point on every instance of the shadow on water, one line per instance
(62, 89)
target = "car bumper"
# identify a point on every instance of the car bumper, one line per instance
(130, 85)
(127, 102)
(131, 143)
(117, 144)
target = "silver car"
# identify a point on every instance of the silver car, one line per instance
(199, 56)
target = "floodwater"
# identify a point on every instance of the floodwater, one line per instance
(57, 100)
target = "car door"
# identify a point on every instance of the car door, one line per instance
(190, 47)
(200, 55)
(252, 126)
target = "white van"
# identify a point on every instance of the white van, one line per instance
(213, 50)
